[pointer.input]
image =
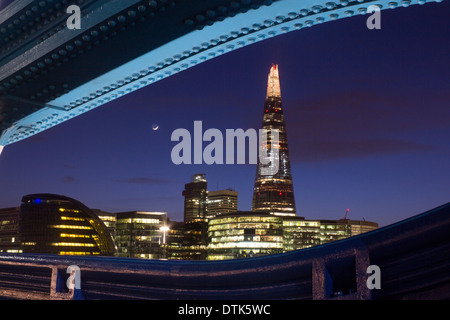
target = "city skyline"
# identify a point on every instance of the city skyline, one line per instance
(366, 134)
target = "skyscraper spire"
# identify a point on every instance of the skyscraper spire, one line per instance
(275, 193)
(273, 83)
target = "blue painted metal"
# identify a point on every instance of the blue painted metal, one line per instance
(414, 257)
(44, 78)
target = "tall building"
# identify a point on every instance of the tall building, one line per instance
(56, 224)
(9, 233)
(195, 195)
(221, 202)
(274, 193)
(139, 234)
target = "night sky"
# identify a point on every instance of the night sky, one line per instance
(367, 115)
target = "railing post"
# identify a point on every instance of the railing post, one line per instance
(58, 287)
(322, 283)
(362, 259)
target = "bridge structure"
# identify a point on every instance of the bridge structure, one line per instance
(413, 257)
(50, 74)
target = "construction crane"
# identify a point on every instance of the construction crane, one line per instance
(345, 216)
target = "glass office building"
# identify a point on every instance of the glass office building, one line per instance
(195, 196)
(361, 226)
(333, 230)
(55, 224)
(299, 233)
(139, 234)
(9, 233)
(244, 234)
(109, 219)
(274, 193)
(187, 241)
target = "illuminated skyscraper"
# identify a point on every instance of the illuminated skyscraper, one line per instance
(195, 194)
(274, 193)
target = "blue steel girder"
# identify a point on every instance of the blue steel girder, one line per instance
(50, 74)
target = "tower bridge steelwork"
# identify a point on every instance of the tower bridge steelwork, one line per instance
(413, 256)
(50, 74)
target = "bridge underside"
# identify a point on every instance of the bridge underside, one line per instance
(50, 74)
(413, 256)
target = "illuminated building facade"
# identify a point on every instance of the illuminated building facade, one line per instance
(333, 230)
(360, 226)
(187, 241)
(244, 234)
(56, 224)
(9, 233)
(221, 202)
(139, 235)
(299, 233)
(109, 219)
(195, 196)
(274, 193)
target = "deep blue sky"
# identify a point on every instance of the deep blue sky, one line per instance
(368, 121)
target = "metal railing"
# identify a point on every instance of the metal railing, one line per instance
(413, 256)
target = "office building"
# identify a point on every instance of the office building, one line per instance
(139, 234)
(55, 224)
(9, 233)
(195, 195)
(109, 219)
(361, 226)
(299, 233)
(221, 202)
(187, 241)
(244, 234)
(274, 193)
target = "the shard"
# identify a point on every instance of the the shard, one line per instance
(274, 193)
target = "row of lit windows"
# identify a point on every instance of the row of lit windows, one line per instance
(247, 244)
(245, 219)
(235, 231)
(78, 253)
(72, 244)
(139, 220)
(69, 210)
(72, 219)
(287, 223)
(107, 218)
(246, 239)
(66, 235)
(229, 226)
(62, 226)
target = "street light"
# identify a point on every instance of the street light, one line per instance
(164, 230)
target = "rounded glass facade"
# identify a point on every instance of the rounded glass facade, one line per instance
(54, 224)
